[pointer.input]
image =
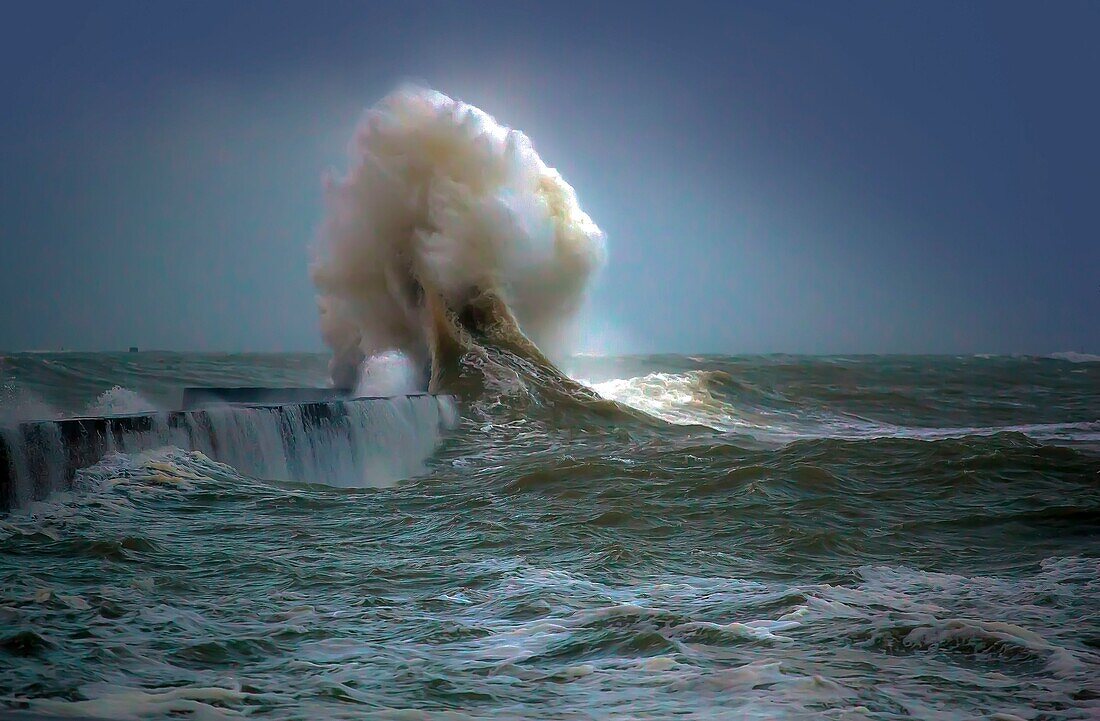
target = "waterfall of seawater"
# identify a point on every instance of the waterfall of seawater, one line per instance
(353, 443)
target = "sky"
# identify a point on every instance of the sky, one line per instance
(772, 177)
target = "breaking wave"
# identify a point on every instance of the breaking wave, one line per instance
(717, 400)
(1073, 357)
(120, 401)
(441, 206)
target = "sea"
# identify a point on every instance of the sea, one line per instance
(728, 537)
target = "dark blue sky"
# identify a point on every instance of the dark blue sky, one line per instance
(773, 177)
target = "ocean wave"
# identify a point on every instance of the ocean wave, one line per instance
(859, 429)
(702, 398)
(860, 566)
(690, 398)
(900, 608)
(1074, 357)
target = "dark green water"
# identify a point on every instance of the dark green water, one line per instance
(863, 538)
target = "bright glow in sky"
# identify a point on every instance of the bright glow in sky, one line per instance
(780, 177)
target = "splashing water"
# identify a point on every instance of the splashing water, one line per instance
(868, 538)
(443, 201)
(120, 401)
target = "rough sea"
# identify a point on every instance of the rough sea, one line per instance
(786, 538)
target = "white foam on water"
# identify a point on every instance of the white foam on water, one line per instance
(134, 704)
(995, 637)
(852, 428)
(1074, 357)
(680, 398)
(687, 399)
(708, 651)
(1007, 620)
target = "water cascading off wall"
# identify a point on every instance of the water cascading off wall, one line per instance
(365, 442)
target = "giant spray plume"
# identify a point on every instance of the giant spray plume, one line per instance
(445, 210)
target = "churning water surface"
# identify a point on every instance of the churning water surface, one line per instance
(850, 538)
